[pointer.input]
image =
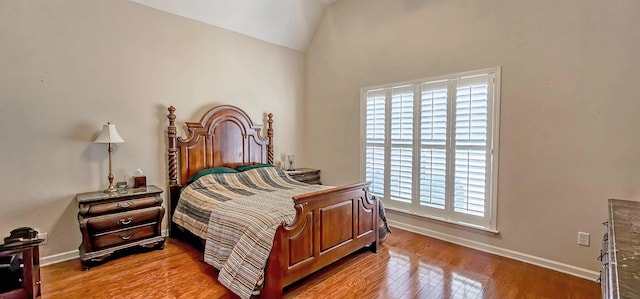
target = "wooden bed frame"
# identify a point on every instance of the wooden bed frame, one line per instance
(329, 224)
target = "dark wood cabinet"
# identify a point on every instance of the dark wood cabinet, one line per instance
(27, 255)
(620, 247)
(306, 175)
(113, 221)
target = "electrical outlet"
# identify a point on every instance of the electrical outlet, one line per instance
(583, 239)
(43, 236)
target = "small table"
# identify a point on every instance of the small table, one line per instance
(28, 251)
(306, 175)
(113, 221)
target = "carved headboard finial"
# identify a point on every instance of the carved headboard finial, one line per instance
(172, 118)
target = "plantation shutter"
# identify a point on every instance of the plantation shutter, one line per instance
(375, 140)
(433, 141)
(400, 176)
(471, 115)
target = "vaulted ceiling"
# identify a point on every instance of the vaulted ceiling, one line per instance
(288, 23)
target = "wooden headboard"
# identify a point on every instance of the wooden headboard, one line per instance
(225, 136)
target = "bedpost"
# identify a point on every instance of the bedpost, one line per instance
(174, 187)
(173, 162)
(270, 135)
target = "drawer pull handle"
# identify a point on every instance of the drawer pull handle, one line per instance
(125, 204)
(126, 221)
(126, 237)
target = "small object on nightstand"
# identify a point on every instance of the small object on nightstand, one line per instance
(122, 187)
(110, 222)
(306, 175)
(21, 234)
(139, 180)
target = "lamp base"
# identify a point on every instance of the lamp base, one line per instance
(110, 189)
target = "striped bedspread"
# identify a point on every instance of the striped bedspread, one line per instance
(237, 214)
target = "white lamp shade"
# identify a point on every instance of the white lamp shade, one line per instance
(109, 134)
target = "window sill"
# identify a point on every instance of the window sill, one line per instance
(444, 220)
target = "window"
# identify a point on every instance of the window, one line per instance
(430, 146)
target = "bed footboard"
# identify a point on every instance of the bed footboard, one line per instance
(329, 225)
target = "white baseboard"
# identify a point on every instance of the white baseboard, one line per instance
(538, 261)
(58, 258)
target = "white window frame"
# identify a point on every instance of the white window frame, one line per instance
(489, 221)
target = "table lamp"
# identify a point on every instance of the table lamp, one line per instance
(109, 135)
(290, 159)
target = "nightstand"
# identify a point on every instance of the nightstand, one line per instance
(113, 221)
(306, 175)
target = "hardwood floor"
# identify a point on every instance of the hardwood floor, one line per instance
(408, 266)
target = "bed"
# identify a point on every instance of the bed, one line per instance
(329, 224)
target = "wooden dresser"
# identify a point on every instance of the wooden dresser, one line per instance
(620, 256)
(115, 221)
(306, 175)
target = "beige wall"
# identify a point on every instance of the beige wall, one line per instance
(569, 116)
(67, 67)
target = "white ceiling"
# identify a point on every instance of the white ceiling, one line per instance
(288, 23)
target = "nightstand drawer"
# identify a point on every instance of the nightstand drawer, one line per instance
(124, 236)
(124, 219)
(118, 206)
